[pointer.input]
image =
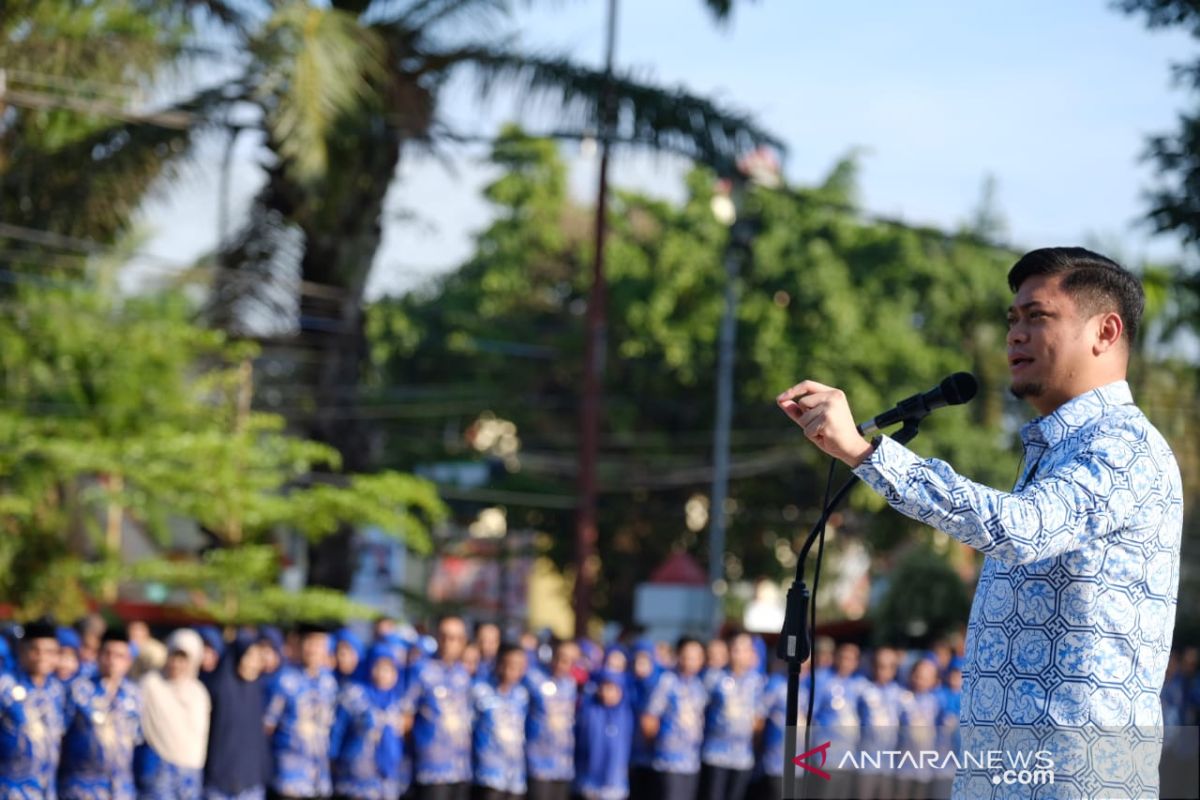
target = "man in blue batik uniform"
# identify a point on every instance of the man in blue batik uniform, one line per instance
(440, 698)
(878, 705)
(1074, 610)
(103, 715)
(730, 722)
(773, 710)
(299, 717)
(499, 707)
(32, 703)
(673, 723)
(550, 728)
(835, 715)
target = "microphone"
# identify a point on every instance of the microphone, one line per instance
(956, 389)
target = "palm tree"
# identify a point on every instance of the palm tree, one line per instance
(344, 92)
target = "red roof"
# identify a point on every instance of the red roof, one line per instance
(680, 568)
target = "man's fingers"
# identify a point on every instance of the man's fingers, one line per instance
(810, 418)
(801, 389)
(793, 411)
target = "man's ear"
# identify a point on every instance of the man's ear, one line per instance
(1108, 332)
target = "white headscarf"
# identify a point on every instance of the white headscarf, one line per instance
(175, 713)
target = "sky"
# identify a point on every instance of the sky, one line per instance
(1053, 101)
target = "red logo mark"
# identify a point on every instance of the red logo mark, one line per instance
(823, 750)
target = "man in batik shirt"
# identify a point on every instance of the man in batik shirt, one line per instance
(1070, 630)
(299, 718)
(103, 726)
(32, 704)
(441, 701)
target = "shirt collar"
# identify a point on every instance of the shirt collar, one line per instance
(1076, 413)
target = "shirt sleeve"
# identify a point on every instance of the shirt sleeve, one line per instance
(656, 706)
(1084, 499)
(276, 704)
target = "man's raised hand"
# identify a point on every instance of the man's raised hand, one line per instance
(824, 414)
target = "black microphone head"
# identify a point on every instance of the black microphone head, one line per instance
(958, 388)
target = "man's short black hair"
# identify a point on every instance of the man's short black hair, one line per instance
(1095, 282)
(507, 649)
(684, 641)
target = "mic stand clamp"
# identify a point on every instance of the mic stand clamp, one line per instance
(795, 639)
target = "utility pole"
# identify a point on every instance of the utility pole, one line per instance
(586, 528)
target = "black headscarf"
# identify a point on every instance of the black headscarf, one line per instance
(238, 758)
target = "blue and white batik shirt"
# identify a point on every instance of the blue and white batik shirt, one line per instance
(1071, 625)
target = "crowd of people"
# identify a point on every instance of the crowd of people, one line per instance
(101, 713)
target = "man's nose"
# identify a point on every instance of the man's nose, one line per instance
(1016, 334)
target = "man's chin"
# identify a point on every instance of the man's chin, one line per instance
(1026, 389)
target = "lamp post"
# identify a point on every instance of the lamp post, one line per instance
(760, 168)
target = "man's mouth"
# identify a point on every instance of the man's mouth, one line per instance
(1018, 362)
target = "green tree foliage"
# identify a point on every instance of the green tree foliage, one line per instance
(879, 309)
(925, 601)
(118, 407)
(1175, 204)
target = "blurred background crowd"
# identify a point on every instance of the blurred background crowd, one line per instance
(383, 712)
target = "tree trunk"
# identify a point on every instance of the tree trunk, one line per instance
(340, 245)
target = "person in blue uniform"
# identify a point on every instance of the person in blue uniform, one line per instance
(730, 722)
(299, 717)
(69, 645)
(878, 705)
(487, 641)
(439, 696)
(673, 724)
(214, 646)
(550, 727)
(604, 740)
(773, 710)
(499, 709)
(949, 737)
(644, 674)
(716, 654)
(238, 766)
(348, 653)
(367, 741)
(835, 713)
(919, 712)
(32, 717)
(104, 724)
(169, 763)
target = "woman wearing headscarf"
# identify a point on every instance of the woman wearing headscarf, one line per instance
(367, 740)
(238, 764)
(643, 675)
(169, 765)
(348, 651)
(603, 738)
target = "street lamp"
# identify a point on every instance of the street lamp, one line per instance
(759, 168)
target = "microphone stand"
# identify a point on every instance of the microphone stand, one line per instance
(795, 644)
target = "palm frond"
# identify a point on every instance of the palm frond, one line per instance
(671, 119)
(91, 187)
(424, 14)
(321, 64)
